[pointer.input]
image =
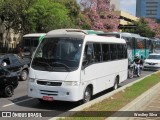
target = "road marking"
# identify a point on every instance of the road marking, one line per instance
(17, 102)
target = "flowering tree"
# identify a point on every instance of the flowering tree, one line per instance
(100, 14)
(154, 26)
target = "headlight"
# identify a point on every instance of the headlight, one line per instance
(70, 83)
(31, 79)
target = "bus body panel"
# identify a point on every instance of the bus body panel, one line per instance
(100, 75)
(61, 92)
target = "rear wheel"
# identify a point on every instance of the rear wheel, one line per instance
(87, 95)
(115, 84)
(130, 73)
(8, 91)
(24, 75)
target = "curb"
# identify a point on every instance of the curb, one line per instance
(99, 99)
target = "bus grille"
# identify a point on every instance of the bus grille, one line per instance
(47, 92)
(48, 83)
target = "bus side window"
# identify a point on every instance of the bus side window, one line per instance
(97, 52)
(113, 51)
(106, 51)
(88, 54)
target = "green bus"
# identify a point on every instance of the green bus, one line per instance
(136, 44)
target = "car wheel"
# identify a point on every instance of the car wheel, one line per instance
(87, 95)
(8, 91)
(24, 75)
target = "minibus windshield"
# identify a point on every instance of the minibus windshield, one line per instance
(58, 54)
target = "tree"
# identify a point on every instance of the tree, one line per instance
(34, 15)
(77, 17)
(154, 26)
(100, 14)
(141, 28)
(48, 15)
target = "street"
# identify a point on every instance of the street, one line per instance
(21, 102)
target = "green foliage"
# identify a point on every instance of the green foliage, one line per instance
(34, 15)
(142, 28)
(49, 15)
(83, 22)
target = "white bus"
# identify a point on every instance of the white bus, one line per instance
(69, 65)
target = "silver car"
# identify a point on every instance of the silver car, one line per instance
(152, 62)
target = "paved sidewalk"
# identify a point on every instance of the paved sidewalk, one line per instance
(152, 105)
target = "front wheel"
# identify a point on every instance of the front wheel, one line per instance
(24, 75)
(87, 95)
(8, 91)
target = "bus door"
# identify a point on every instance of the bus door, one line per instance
(148, 47)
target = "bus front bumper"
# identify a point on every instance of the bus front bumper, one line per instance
(62, 93)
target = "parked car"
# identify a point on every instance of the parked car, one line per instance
(8, 82)
(14, 63)
(152, 62)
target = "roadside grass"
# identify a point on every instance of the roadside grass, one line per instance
(117, 101)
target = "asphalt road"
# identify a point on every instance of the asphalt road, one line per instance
(21, 102)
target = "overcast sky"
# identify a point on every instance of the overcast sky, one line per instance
(128, 6)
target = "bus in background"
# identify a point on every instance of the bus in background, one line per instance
(93, 32)
(136, 44)
(76, 66)
(30, 42)
(155, 43)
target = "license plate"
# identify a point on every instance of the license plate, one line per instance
(47, 98)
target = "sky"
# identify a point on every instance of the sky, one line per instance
(128, 6)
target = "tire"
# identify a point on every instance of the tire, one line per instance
(115, 84)
(87, 95)
(24, 75)
(130, 73)
(8, 91)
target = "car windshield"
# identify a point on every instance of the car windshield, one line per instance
(58, 54)
(157, 57)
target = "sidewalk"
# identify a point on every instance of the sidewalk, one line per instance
(152, 105)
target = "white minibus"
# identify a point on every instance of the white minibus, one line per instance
(30, 42)
(70, 65)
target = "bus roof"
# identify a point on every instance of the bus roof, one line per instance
(66, 32)
(93, 31)
(124, 34)
(96, 38)
(82, 34)
(35, 35)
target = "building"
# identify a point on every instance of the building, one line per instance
(8, 40)
(148, 8)
(116, 4)
(126, 20)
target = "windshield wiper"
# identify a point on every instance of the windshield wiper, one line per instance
(67, 67)
(44, 63)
